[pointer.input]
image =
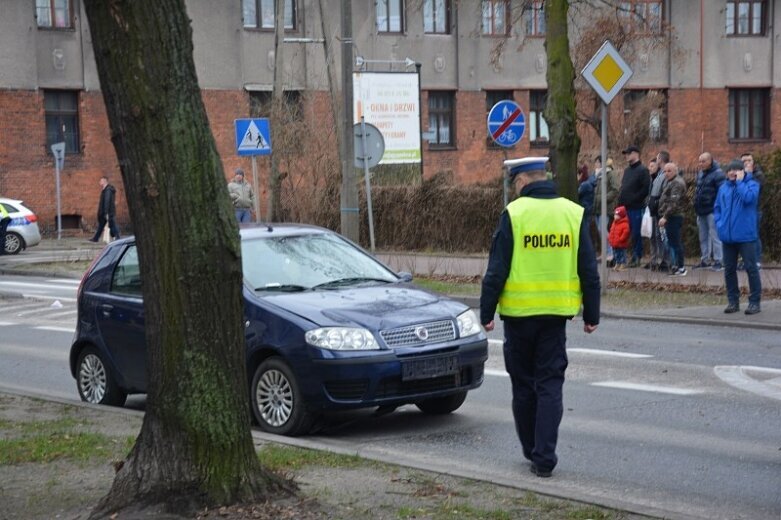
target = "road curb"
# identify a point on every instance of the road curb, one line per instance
(34, 272)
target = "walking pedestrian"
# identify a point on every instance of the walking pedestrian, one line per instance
(242, 197)
(735, 212)
(635, 186)
(541, 267)
(107, 210)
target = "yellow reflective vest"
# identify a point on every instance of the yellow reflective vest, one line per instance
(3, 212)
(543, 279)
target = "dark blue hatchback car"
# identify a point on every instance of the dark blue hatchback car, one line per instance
(327, 326)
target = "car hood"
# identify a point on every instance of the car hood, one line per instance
(375, 308)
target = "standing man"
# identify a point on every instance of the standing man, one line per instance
(242, 197)
(659, 254)
(672, 206)
(735, 212)
(5, 219)
(749, 166)
(107, 210)
(611, 195)
(709, 178)
(634, 190)
(540, 269)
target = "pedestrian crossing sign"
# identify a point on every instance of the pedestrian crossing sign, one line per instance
(253, 137)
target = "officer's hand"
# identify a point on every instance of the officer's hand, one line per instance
(588, 329)
(489, 326)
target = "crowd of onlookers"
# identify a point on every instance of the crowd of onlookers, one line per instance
(649, 202)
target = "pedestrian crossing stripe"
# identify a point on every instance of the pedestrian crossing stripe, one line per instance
(253, 139)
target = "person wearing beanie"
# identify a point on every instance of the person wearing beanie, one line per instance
(735, 213)
(619, 237)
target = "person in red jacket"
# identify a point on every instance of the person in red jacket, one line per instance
(619, 237)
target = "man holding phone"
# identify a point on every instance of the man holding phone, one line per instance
(735, 213)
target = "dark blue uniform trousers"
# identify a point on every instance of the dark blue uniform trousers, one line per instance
(535, 356)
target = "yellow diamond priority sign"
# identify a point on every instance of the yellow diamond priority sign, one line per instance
(607, 72)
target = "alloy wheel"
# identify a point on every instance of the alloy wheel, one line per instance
(274, 396)
(92, 379)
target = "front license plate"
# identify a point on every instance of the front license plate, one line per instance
(428, 367)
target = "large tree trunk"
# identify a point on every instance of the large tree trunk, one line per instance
(560, 110)
(195, 446)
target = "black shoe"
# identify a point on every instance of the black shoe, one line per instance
(633, 263)
(664, 266)
(732, 307)
(649, 266)
(92, 240)
(542, 473)
(752, 308)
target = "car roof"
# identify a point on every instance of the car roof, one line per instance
(257, 230)
(12, 201)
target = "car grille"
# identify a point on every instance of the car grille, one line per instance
(435, 332)
(349, 390)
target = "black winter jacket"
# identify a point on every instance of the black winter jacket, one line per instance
(634, 186)
(107, 206)
(708, 182)
(502, 252)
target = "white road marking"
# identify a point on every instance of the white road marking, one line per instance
(56, 329)
(596, 352)
(71, 312)
(66, 281)
(608, 353)
(7, 324)
(737, 377)
(498, 373)
(625, 385)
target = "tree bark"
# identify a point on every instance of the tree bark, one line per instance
(277, 110)
(195, 446)
(560, 110)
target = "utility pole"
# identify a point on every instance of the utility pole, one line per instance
(349, 194)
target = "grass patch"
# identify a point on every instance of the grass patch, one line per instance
(448, 511)
(46, 441)
(289, 458)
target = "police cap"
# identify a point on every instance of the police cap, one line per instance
(527, 164)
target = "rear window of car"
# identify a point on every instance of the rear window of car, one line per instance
(9, 208)
(127, 275)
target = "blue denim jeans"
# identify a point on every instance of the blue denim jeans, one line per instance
(635, 221)
(710, 245)
(243, 215)
(619, 255)
(673, 228)
(747, 251)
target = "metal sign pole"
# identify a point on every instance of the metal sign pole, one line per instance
(368, 182)
(603, 201)
(59, 212)
(255, 187)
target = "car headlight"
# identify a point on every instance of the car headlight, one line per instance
(342, 338)
(468, 324)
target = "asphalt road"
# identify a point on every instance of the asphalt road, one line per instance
(667, 419)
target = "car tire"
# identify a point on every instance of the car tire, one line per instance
(442, 405)
(95, 382)
(277, 404)
(13, 243)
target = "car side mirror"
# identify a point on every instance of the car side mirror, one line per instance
(405, 276)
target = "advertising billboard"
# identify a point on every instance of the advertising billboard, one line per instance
(391, 102)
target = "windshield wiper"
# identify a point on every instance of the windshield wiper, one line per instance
(281, 287)
(348, 281)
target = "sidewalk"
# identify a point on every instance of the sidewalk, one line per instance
(31, 261)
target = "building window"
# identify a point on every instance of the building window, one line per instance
(645, 115)
(390, 16)
(492, 97)
(53, 13)
(260, 104)
(538, 127)
(749, 111)
(745, 18)
(534, 16)
(62, 118)
(643, 16)
(441, 119)
(436, 16)
(496, 17)
(260, 14)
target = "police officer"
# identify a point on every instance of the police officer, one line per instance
(5, 219)
(541, 268)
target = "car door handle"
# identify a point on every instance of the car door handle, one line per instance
(106, 309)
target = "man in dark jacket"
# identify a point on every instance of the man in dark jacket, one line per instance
(735, 213)
(541, 268)
(709, 178)
(635, 186)
(107, 210)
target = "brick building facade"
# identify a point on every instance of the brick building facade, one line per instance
(41, 64)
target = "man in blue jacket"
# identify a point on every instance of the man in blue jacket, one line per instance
(735, 213)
